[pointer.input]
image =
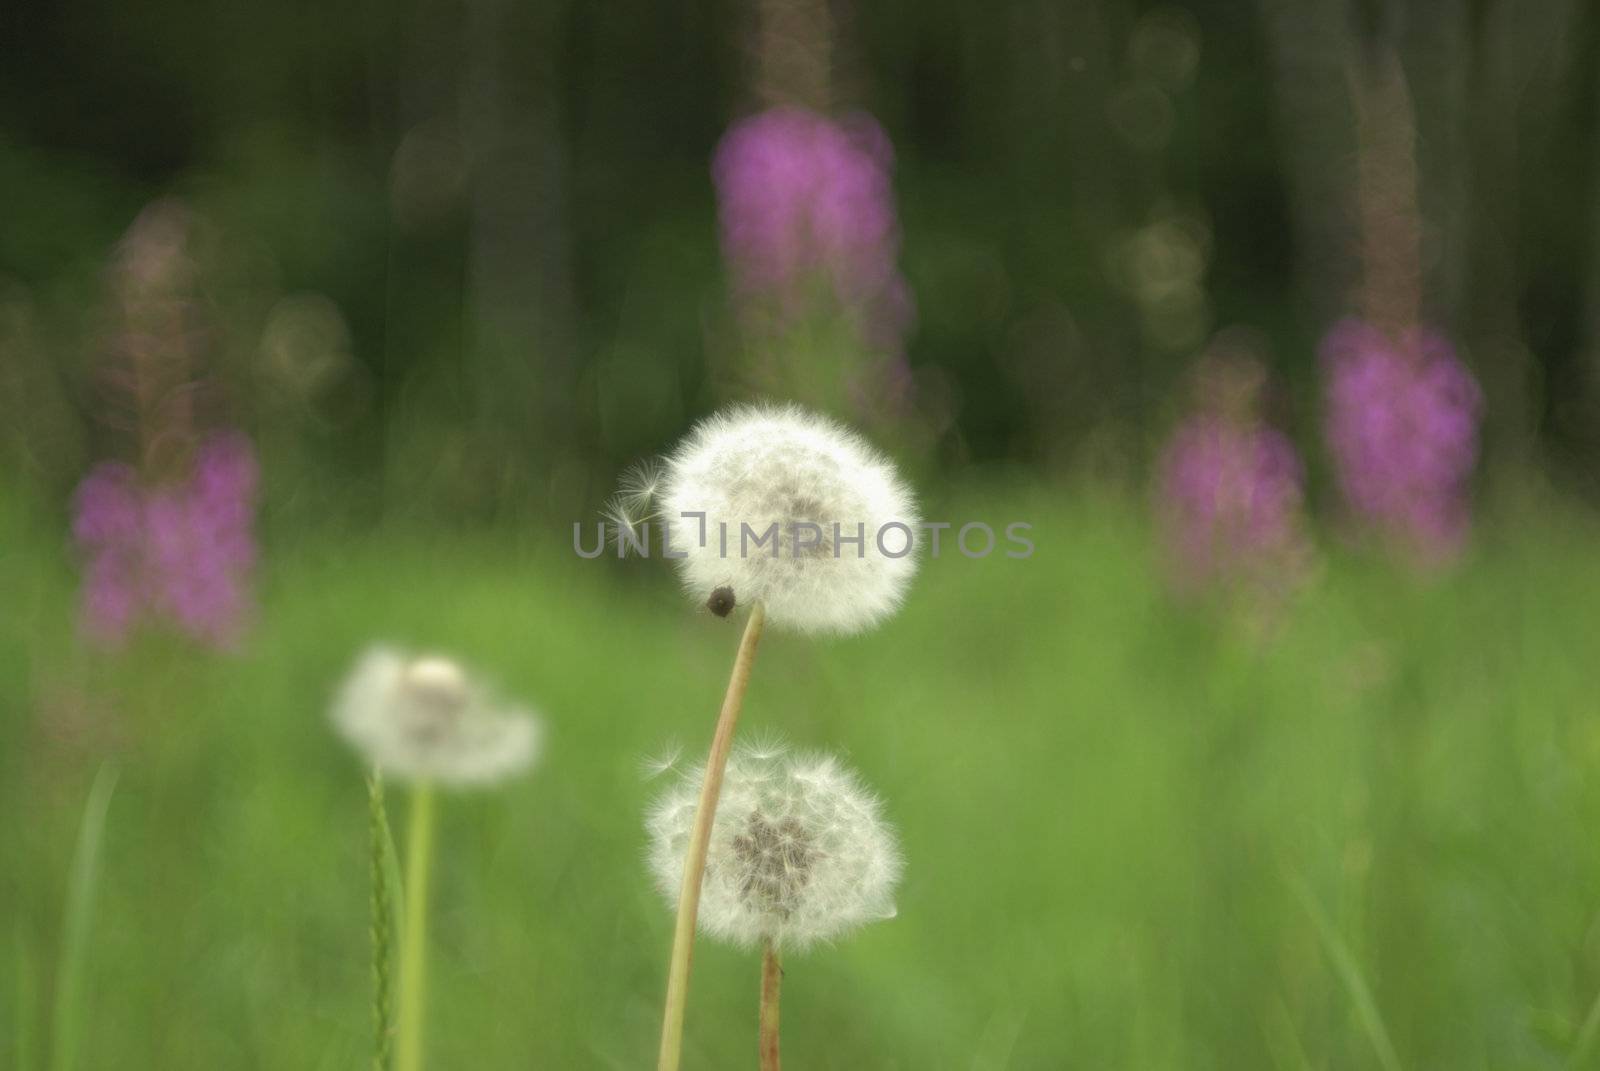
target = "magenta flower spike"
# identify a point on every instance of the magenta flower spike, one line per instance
(181, 553)
(809, 228)
(1402, 425)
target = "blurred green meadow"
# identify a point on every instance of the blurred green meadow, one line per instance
(414, 283)
(1139, 833)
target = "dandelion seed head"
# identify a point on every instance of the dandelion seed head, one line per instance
(751, 468)
(800, 851)
(424, 718)
(436, 680)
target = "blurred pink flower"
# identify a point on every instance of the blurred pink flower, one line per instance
(1232, 496)
(182, 552)
(1402, 425)
(803, 198)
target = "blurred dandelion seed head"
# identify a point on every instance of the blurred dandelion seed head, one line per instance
(800, 851)
(438, 678)
(760, 466)
(425, 718)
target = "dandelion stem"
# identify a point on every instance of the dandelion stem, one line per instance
(771, 981)
(413, 950)
(694, 864)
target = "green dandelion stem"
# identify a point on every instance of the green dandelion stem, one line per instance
(414, 944)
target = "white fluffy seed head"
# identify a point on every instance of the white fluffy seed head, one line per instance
(799, 851)
(424, 719)
(751, 468)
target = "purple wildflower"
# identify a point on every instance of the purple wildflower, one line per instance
(107, 506)
(179, 552)
(1232, 495)
(106, 525)
(1402, 423)
(1232, 489)
(802, 200)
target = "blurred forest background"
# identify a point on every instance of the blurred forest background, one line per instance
(321, 325)
(472, 247)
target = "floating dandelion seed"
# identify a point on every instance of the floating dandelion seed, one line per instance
(633, 506)
(663, 761)
(424, 719)
(800, 852)
(799, 514)
(640, 485)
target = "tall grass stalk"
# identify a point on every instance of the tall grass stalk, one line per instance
(67, 1020)
(1583, 1047)
(1349, 972)
(383, 889)
(414, 943)
(771, 986)
(26, 1010)
(694, 864)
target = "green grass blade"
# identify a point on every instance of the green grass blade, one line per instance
(67, 1020)
(1583, 1048)
(385, 875)
(391, 870)
(1349, 972)
(1283, 1040)
(27, 1006)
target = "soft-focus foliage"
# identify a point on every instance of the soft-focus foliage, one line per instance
(320, 323)
(1098, 794)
